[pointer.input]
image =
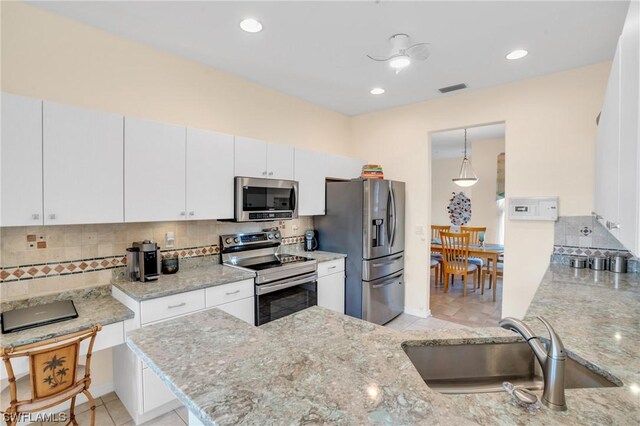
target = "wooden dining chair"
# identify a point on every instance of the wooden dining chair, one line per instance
(474, 233)
(437, 266)
(435, 235)
(55, 375)
(437, 229)
(474, 238)
(455, 250)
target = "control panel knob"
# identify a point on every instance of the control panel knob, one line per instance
(236, 240)
(277, 235)
(270, 236)
(228, 240)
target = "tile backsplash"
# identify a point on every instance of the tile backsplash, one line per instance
(45, 259)
(585, 236)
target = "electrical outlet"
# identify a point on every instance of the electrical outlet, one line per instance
(294, 228)
(31, 245)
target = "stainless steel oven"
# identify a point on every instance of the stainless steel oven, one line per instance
(284, 283)
(285, 297)
(265, 199)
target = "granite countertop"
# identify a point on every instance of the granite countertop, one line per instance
(317, 366)
(92, 309)
(320, 256)
(185, 280)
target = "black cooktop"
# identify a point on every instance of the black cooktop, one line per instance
(261, 263)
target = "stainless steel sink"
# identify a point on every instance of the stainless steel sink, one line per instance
(479, 368)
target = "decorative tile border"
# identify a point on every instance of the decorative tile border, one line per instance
(585, 251)
(81, 266)
(293, 240)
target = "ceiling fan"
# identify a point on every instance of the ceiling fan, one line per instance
(403, 52)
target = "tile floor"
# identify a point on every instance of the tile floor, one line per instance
(474, 310)
(111, 412)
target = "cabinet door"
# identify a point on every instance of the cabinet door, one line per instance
(154, 170)
(21, 161)
(608, 148)
(629, 173)
(83, 165)
(279, 161)
(310, 172)
(209, 175)
(243, 309)
(250, 157)
(331, 292)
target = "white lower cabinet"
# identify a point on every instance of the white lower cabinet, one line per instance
(331, 285)
(141, 391)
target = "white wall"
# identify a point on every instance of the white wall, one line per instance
(442, 187)
(550, 144)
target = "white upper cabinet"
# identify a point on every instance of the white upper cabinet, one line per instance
(154, 168)
(209, 175)
(341, 167)
(250, 157)
(256, 158)
(629, 174)
(279, 161)
(617, 191)
(21, 161)
(311, 172)
(608, 149)
(83, 170)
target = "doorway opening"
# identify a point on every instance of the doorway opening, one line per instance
(467, 224)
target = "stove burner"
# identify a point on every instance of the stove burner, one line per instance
(273, 261)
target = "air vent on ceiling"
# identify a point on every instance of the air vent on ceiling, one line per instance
(452, 88)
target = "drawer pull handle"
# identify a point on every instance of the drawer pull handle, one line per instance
(229, 293)
(332, 267)
(177, 306)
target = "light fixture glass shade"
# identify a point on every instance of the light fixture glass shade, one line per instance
(467, 177)
(399, 62)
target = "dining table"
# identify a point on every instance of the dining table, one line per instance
(488, 252)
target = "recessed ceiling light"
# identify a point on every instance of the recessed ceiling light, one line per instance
(517, 54)
(251, 25)
(377, 91)
(399, 62)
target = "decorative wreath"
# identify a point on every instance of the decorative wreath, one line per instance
(459, 209)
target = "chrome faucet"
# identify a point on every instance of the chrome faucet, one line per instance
(551, 360)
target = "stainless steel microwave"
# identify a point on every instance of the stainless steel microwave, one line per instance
(259, 199)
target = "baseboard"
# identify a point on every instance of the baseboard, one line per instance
(417, 312)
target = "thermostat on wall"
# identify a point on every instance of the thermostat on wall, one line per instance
(533, 208)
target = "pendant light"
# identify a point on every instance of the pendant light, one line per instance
(467, 177)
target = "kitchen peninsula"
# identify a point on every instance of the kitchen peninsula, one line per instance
(319, 366)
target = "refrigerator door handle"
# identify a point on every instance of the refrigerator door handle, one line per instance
(392, 279)
(387, 261)
(392, 196)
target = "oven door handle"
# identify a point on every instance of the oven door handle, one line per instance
(270, 288)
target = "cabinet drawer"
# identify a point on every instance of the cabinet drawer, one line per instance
(229, 292)
(154, 392)
(110, 335)
(171, 306)
(327, 268)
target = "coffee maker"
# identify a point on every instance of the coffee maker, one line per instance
(310, 240)
(143, 261)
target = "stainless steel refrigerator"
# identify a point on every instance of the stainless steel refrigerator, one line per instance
(365, 220)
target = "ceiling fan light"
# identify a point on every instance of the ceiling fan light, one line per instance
(399, 62)
(251, 25)
(517, 54)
